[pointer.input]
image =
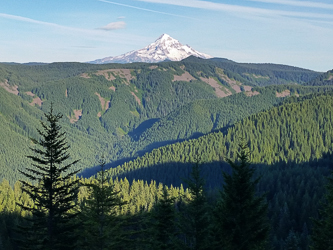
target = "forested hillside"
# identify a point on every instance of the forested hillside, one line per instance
(321, 80)
(122, 111)
(204, 116)
(291, 145)
(296, 131)
(291, 151)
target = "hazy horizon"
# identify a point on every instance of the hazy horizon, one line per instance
(295, 33)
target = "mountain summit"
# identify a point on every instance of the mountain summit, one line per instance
(164, 48)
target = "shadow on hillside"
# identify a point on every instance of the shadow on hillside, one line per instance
(136, 133)
(88, 172)
(194, 135)
(175, 173)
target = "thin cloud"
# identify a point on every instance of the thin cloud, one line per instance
(94, 34)
(29, 20)
(121, 17)
(298, 3)
(48, 24)
(149, 10)
(238, 9)
(114, 26)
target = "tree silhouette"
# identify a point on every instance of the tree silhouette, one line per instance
(240, 216)
(51, 188)
(163, 230)
(195, 221)
(322, 236)
(101, 226)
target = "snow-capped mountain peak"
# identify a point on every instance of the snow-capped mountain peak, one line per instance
(165, 37)
(164, 48)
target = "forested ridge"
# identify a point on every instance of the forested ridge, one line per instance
(291, 145)
(298, 130)
(127, 110)
(291, 149)
(323, 79)
(160, 122)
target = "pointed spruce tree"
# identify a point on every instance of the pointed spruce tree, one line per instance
(322, 234)
(49, 184)
(195, 215)
(240, 217)
(163, 230)
(100, 224)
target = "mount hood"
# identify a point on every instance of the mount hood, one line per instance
(164, 48)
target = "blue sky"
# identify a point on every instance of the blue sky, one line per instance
(292, 32)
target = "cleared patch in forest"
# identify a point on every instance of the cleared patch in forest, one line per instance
(85, 75)
(105, 104)
(29, 94)
(136, 98)
(235, 85)
(186, 77)
(247, 88)
(283, 93)
(9, 88)
(109, 74)
(249, 92)
(106, 73)
(77, 115)
(37, 101)
(220, 91)
(113, 88)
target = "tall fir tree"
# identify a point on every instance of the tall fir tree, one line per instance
(292, 241)
(100, 224)
(240, 217)
(195, 221)
(50, 185)
(322, 235)
(163, 229)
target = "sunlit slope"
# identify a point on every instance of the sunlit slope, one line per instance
(121, 111)
(299, 131)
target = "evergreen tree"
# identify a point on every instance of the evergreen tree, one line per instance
(163, 230)
(322, 236)
(195, 217)
(292, 241)
(101, 226)
(51, 188)
(241, 216)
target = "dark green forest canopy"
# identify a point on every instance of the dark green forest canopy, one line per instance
(296, 132)
(291, 145)
(321, 80)
(126, 110)
(291, 148)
